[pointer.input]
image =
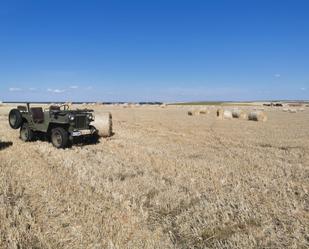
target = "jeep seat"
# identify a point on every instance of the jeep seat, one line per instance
(54, 108)
(22, 108)
(37, 114)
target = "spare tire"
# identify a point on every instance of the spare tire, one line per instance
(15, 119)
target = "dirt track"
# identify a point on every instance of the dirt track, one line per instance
(164, 180)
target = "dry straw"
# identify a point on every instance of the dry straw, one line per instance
(104, 124)
(292, 110)
(127, 105)
(257, 116)
(159, 175)
(193, 112)
(204, 111)
(259, 109)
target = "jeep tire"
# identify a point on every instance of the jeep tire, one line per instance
(15, 119)
(59, 137)
(26, 134)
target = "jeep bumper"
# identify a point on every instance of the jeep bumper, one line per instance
(78, 133)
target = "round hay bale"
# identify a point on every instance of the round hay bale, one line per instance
(224, 114)
(301, 109)
(104, 124)
(227, 114)
(237, 113)
(257, 116)
(285, 109)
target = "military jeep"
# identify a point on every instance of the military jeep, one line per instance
(60, 124)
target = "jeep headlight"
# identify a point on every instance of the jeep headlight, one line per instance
(71, 117)
(90, 117)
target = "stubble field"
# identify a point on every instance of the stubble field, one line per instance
(163, 180)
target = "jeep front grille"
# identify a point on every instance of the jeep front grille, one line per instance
(80, 122)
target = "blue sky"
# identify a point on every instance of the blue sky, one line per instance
(171, 50)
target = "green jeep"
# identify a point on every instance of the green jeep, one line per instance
(59, 123)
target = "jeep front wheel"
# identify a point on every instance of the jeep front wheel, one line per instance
(26, 134)
(59, 137)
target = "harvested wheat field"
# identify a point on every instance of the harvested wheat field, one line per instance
(163, 180)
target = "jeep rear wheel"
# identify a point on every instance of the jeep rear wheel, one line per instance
(26, 134)
(59, 137)
(15, 119)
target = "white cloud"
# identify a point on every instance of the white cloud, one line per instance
(32, 89)
(15, 89)
(55, 90)
(73, 87)
(89, 87)
(277, 75)
(303, 89)
(59, 91)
